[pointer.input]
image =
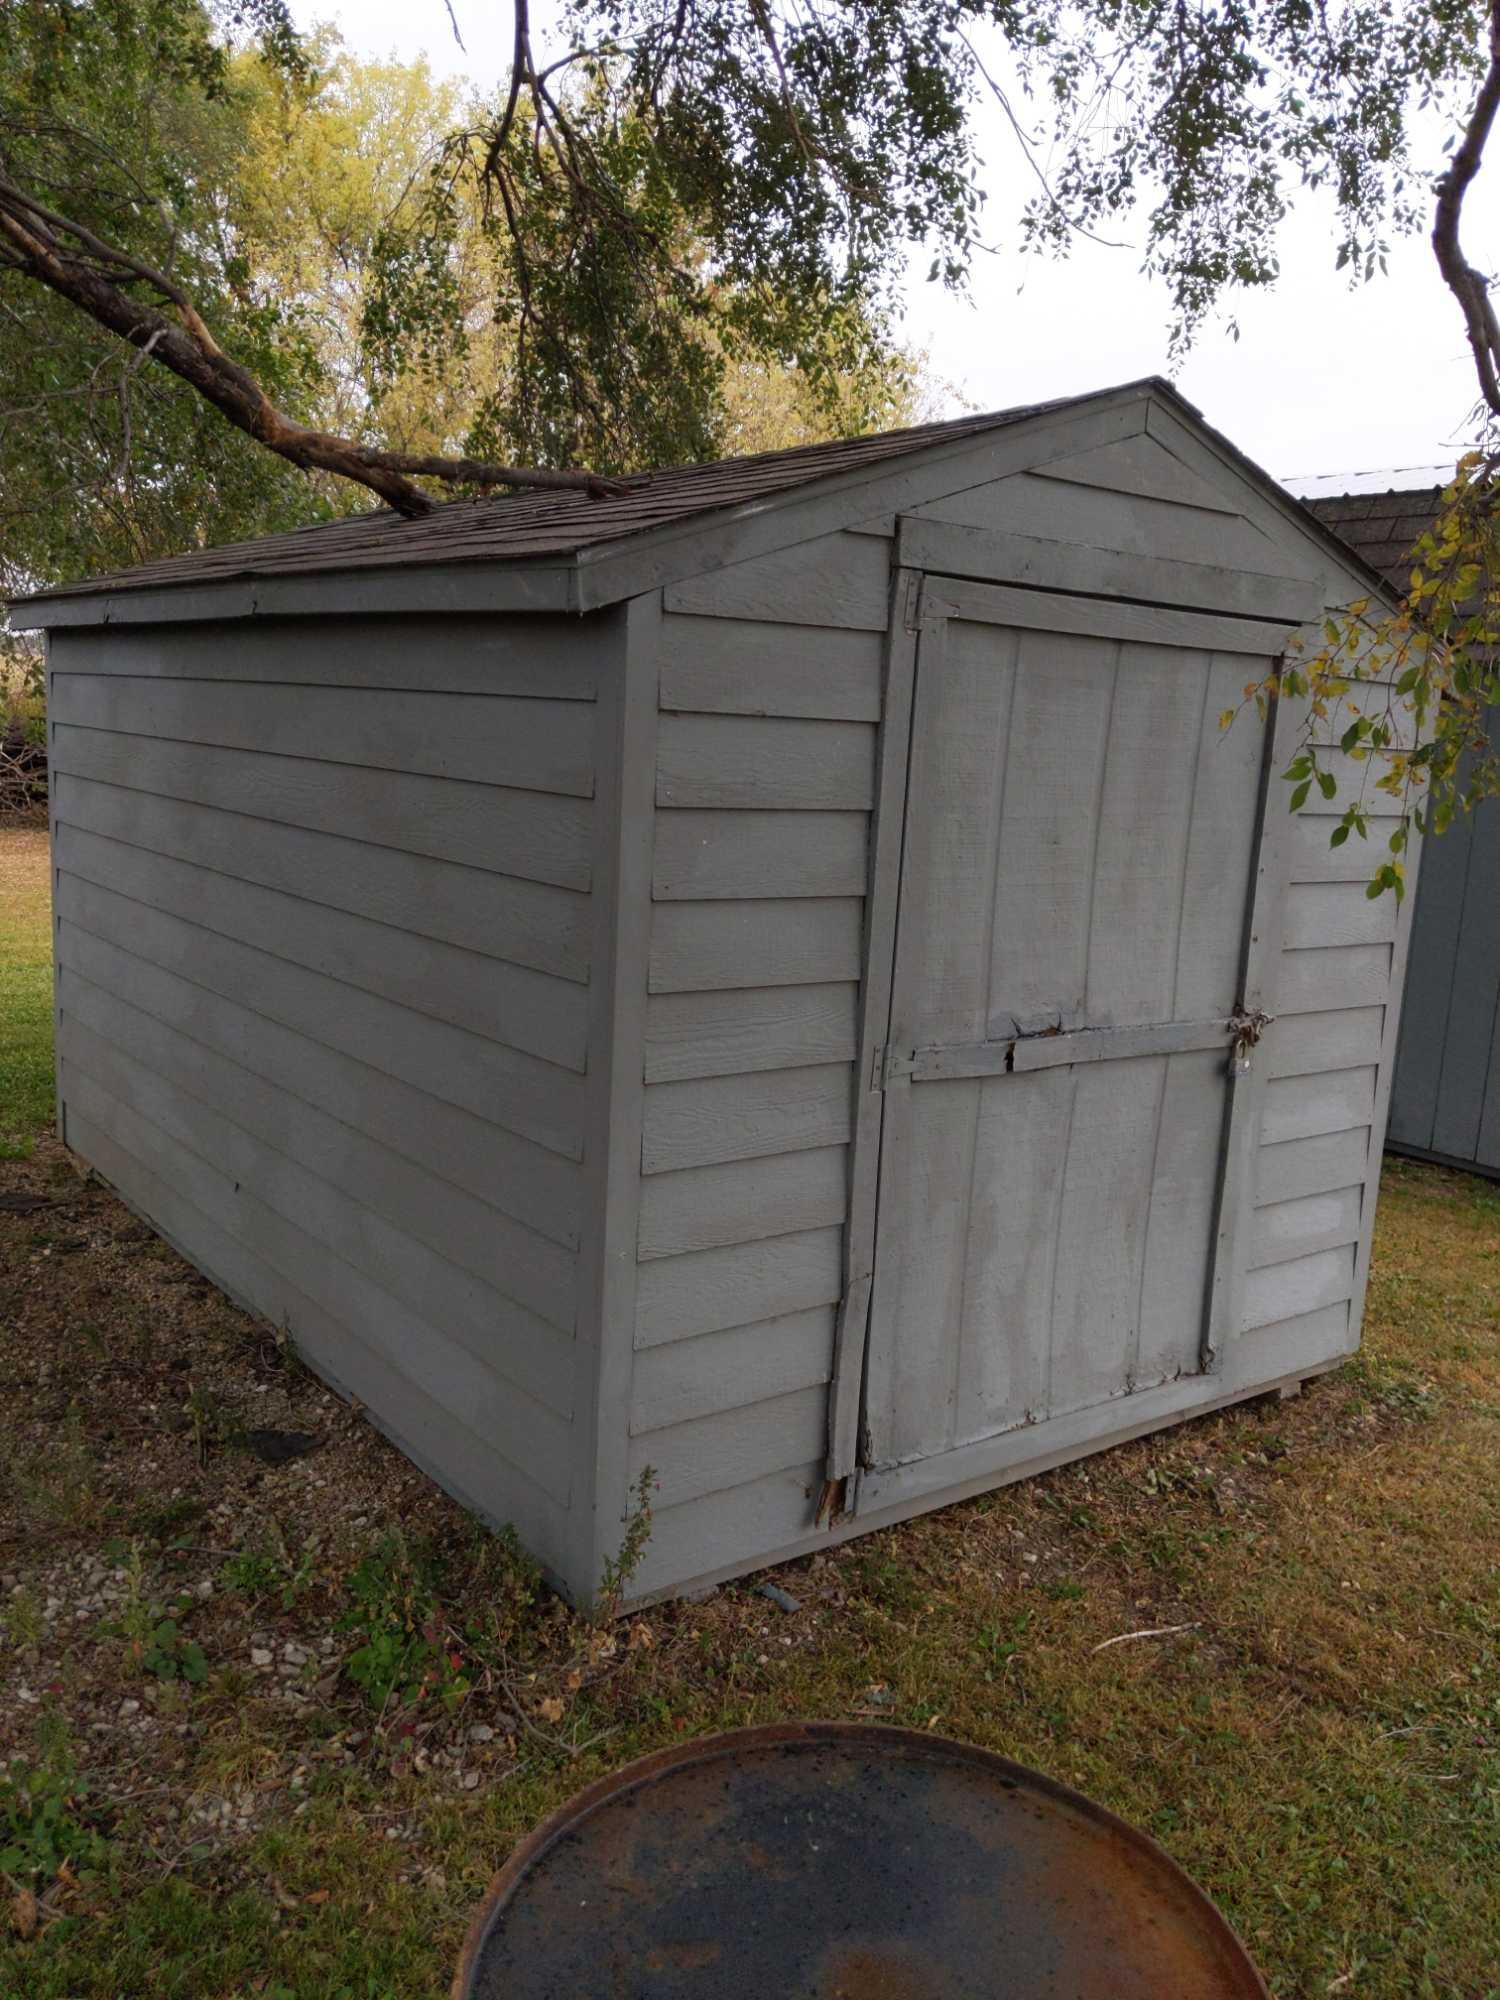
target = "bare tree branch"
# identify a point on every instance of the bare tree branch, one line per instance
(46, 246)
(1471, 287)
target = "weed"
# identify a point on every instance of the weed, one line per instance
(22, 1621)
(999, 1645)
(212, 1421)
(46, 1821)
(614, 1578)
(406, 1650)
(277, 1571)
(59, 1483)
(155, 1642)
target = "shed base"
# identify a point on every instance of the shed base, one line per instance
(850, 1529)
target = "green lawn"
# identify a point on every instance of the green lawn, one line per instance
(25, 989)
(1318, 1742)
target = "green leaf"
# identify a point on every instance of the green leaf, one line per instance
(1328, 784)
(1299, 796)
(1339, 835)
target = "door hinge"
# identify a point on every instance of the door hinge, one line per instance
(911, 609)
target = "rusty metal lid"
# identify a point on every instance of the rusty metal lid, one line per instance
(839, 1861)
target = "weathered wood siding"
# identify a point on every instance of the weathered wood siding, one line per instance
(324, 936)
(770, 693)
(1324, 1077)
(1445, 1103)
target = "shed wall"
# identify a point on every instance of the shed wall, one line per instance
(1326, 1079)
(1446, 1100)
(771, 685)
(770, 692)
(324, 937)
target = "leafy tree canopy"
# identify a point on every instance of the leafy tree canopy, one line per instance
(675, 187)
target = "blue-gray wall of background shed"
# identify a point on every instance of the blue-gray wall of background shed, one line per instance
(1445, 1102)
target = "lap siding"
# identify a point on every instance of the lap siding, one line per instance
(765, 781)
(1327, 1066)
(324, 950)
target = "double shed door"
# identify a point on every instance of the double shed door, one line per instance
(1063, 1134)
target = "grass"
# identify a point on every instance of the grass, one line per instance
(25, 989)
(1319, 1745)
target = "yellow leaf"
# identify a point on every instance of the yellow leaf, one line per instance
(550, 1709)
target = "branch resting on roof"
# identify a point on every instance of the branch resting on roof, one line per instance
(95, 277)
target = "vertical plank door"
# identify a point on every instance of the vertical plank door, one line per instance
(1080, 871)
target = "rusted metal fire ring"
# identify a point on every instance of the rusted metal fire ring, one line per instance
(843, 1861)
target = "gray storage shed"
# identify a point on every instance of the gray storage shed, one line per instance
(752, 979)
(1445, 1097)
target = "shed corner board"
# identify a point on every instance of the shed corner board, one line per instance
(624, 804)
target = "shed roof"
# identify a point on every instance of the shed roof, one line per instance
(1381, 528)
(528, 533)
(526, 525)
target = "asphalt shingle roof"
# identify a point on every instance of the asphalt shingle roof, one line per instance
(534, 525)
(1380, 527)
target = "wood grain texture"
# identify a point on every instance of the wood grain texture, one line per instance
(520, 1429)
(535, 835)
(707, 1290)
(730, 1529)
(1313, 860)
(835, 580)
(1301, 1107)
(712, 1454)
(533, 1011)
(536, 745)
(1142, 466)
(487, 655)
(765, 1028)
(536, 1099)
(1133, 524)
(702, 1208)
(1344, 1038)
(1302, 1284)
(1337, 976)
(681, 1380)
(739, 666)
(1147, 625)
(700, 947)
(887, 832)
(1303, 1344)
(1311, 1166)
(512, 1174)
(1332, 913)
(1288, 1229)
(467, 1465)
(708, 856)
(288, 1156)
(767, 763)
(525, 923)
(627, 719)
(709, 1119)
(1004, 556)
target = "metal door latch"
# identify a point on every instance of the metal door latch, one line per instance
(1246, 1025)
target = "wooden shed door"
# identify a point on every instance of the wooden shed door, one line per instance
(1078, 879)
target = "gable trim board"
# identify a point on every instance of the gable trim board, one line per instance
(720, 804)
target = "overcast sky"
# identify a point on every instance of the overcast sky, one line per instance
(1321, 381)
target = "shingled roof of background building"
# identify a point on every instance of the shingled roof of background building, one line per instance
(1381, 527)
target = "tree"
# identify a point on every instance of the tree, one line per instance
(678, 184)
